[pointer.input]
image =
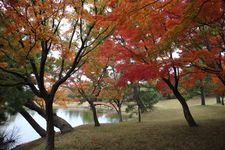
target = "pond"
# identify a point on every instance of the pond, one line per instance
(25, 133)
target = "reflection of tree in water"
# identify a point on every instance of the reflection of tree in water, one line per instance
(86, 117)
(68, 112)
(76, 117)
(112, 117)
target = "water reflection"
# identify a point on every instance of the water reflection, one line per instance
(26, 133)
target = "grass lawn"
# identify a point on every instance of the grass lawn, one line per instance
(162, 128)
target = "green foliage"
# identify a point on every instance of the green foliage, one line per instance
(15, 97)
(2, 114)
(130, 107)
(194, 91)
(205, 83)
(149, 95)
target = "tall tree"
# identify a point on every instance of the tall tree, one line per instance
(200, 35)
(35, 32)
(196, 27)
(137, 43)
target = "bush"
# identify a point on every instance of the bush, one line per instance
(150, 96)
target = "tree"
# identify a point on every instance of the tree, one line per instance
(152, 29)
(13, 103)
(137, 44)
(219, 89)
(89, 93)
(34, 33)
(149, 94)
(93, 71)
(197, 82)
(8, 107)
(169, 70)
(200, 35)
(57, 121)
(114, 94)
(192, 26)
(22, 98)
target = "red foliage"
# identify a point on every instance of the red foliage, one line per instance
(137, 72)
(144, 28)
(162, 87)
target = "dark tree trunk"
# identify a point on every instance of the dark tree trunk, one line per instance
(139, 114)
(120, 114)
(50, 127)
(136, 96)
(222, 99)
(218, 99)
(187, 114)
(94, 112)
(60, 123)
(117, 104)
(202, 95)
(221, 77)
(33, 123)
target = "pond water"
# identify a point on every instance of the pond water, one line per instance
(25, 133)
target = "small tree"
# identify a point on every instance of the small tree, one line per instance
(149, 95)
(89, 82)
(115, 95)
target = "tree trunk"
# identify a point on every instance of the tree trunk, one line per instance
(60, 123)
(221, 77)
(33, 123)
(136, 96)
(50, 127)
(202, 95)
(181, 99)
(139, 114)
(117, 104)
(186, 111)
(222, 99)
(120, 114)
(218, 99)
(94, 112)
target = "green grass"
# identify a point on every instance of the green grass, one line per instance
(162, 128)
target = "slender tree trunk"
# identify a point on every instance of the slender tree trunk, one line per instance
(94, 112)
(187, 114)
(139, 114)
(202, 95)
(120, 113)
(222, 99)
(117, 104)
(186, 111)
(60, 123)
(50, 127)
(33, 123)
(218, 99)
(136, 96)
